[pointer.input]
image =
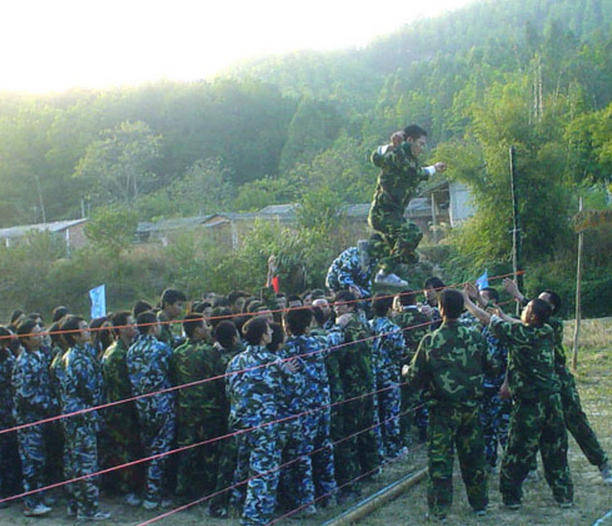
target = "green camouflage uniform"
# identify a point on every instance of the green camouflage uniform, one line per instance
(537, 414)
(575, 419)
(200, 414)
(450, 364)
(400, 174)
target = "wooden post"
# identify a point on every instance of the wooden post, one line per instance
(516, 240)
(578, 306)
(434, 222)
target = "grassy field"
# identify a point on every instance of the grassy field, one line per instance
(593, 499)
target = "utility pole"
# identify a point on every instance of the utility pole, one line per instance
(516, 230)
(578, 293)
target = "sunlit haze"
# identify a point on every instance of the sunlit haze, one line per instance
(59, 44)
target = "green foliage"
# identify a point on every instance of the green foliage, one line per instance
(112, 228)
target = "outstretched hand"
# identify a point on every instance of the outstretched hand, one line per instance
(440, 167)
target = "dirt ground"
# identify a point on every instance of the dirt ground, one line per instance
(593, 499)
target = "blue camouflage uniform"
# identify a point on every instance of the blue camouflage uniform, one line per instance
(9, 457)
(33, 400)
(148, 363)
(316, 399)
(256, 386)
(387, 351)
(80, 382)
(345, 271)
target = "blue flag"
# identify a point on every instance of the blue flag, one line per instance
(483, 281)
(97, 296)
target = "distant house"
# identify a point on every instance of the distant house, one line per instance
(71, 231)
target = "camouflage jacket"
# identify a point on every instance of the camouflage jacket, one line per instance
(530, 358)
(171, 333)
(345, 271)
(33, 398)
(7, 362)
(560, 357)
(81, 384)
(117, 383)
(56, 370)
(257, 386)
(407, 319)
(148, 365)
(193, 361)
(500, 353)
(388, 347)
(450, 364)
(399, 177)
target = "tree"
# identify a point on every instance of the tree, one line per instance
(112, 228)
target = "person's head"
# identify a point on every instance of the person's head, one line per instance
(58, 313)
(381, 304)
(75, 330)
(278, 337)
(226, 334)
(147, 323)
(17, 316)
(29, 334)
(173, 302)
(195, 327)
(432, 287)
(489, 295)
(202, 307)
(416, 137)
(221, 301)
(257, 331)
(141, 306)
(281, 300)
(296, 321)
(124, 326)
(323, 304)
(57, 338)
(552, 298)
(344, 302)
(218, 314)
(294, 301)
(404, 299)
(37, 317)
(236, 300)
(318, 316)
(450, 304)
(6, 336)
(102, 334)
(536, 313)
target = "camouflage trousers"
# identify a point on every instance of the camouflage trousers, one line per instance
(536, 423)
(389, 404)
(258, 461)
(227, 451)
(400, 239)
(81, 457)
(412, 418)
(578, 425)
(316, 429)
(33, 460)
(157, 436)
(10, 467)
(353, 434)
(197, 467)
(495, 419)
(296, 482)
(451, 427)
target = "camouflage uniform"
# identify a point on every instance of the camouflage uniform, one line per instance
(350, 375)
(9, 457)
(494, 412)
(387, 350)
(411, 397)
(199, 414)
(450, 365)
(346, 271)
(576, 420)
(81, 388)
(121, 440)
(537, 414)
(258, 396)
(33, 400)
(148, 364)
(315, 424)
(171, 333)
(399, 177)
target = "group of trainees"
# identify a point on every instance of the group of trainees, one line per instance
(291, 407)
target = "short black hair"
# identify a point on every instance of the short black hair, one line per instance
(381, 303)
(221, 301)
(407, 297)
(298, 320)
(119, 320)
(225, 332)
(319, 315)
(144, 321)
(70, 324)
(5, 337)
(414, 131)
(493, 292)
(59, 312)
(55, 334)
(346, 297)
(200, 306)
(235, 294)
(294, 297)
(541, 310)
(191, 322)
(171, 296)
(434, 283)
(451, 301)
(278, 336)
(25, 328)
(35, 316)
(218, 314)
(141, 306)
(254, 329)
(555, 299)
(15, 315)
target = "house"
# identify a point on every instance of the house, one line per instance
(72, 231)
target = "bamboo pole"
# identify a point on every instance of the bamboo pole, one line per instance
(578, 291)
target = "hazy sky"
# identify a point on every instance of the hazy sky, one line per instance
(51, 45)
